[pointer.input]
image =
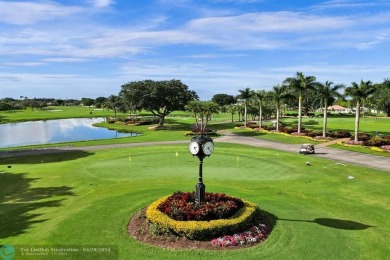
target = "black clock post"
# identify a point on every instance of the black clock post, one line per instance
(201, 146)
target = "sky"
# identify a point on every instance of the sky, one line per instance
(89, 48)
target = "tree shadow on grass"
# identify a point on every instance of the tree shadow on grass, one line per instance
(335, 223)
(41, 156)
(21, 204)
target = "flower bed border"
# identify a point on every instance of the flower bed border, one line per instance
(203, 229)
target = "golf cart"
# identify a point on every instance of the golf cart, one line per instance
(307, 149)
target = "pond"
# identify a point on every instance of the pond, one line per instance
(55, 131)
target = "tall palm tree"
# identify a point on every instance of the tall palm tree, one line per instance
(325, 92)
(359, 93)
(232, 109)
(195, 107)
(277, 94)
(203, 110)
(209, 108)
(300, 84)
(245, 94)
(113, 103)
(259, 96)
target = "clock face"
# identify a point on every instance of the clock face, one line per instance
(194, 147)
(208, 148)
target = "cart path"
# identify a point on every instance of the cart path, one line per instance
(371, 161)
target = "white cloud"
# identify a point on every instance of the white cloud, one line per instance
(24, 13)
(342, 4)
(101, 3)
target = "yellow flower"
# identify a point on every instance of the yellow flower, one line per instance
(376, 149)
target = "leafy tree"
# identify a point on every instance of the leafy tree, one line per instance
(59, 102)
(158, 97)
(359, 93)
(245, 95)
(300, 84)
(99, 101)
(88, 102)
(381, 98)
(223, 100)
(327, 92)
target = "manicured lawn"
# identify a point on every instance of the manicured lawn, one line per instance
(53, 112)
(370, 125)
(87, 198)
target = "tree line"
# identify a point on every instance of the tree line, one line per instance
(300, 92)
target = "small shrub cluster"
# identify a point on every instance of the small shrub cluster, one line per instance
(132, 121)
(366, 140)
(198, 130)
(182, 206)
(311, 122)
(269, 128)
(362, 137)
(292, 114)
(314, 134)
(377, 141)
(341, 134)
(251, 125)
(253, 235)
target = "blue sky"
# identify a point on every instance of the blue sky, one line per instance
(89, 48)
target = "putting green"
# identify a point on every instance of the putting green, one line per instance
(88, 199)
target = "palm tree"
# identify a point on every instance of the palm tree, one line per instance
(194, 107)
(209, 108)
(325, 92)
(203, 110)
(259, 97)
(277, 94)
(112, 103)
(300, 84)
(245, 94)
(359, 93)
(232, 109)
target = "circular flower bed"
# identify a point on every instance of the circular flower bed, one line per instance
(241, 218)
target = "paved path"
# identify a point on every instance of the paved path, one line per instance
(368, 160)
(372, 161)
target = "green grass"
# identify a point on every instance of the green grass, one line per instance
(371, 125)
(87, 198)
(52, 113)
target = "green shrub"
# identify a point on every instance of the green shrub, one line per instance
(341, 134)
(311, 122)
(377, 141)
(314, 133)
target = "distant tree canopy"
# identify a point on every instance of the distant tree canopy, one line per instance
(88, 102)
(223, 99)
(158, 97)
(381, 98)
(99, 101)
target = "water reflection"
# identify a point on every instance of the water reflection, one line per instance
(54, 131)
